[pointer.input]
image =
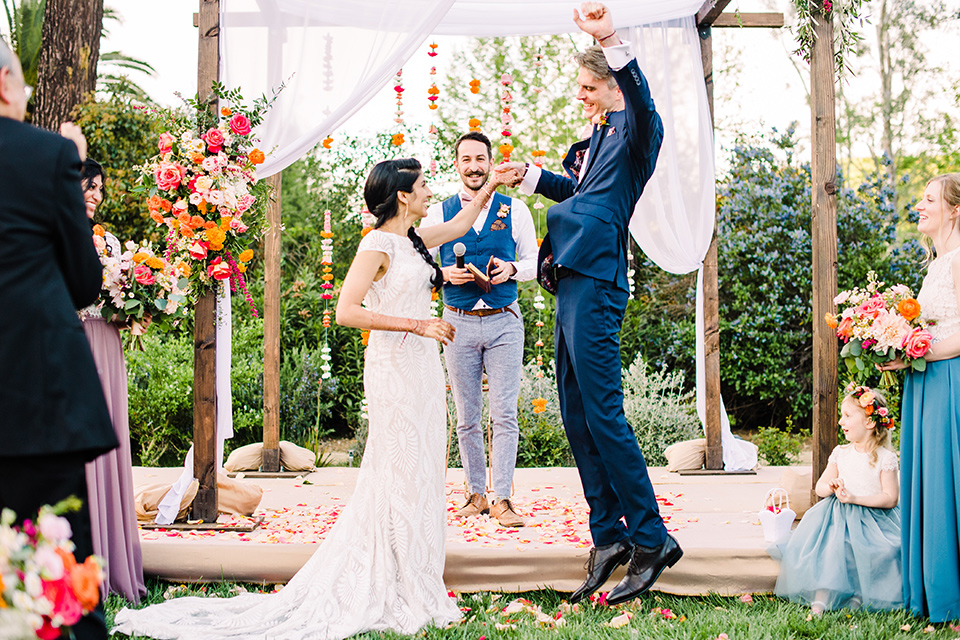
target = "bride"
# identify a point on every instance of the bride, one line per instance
(381, 566)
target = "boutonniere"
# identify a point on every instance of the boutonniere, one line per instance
(504, 211)
(600, 120)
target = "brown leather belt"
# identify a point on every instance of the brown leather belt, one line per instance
(483, 313)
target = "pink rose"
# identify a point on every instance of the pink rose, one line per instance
(244, 202)
(168, 176)
(165, 143)
(143, 274)
(240, 124)
(871, 307)
(238, 226)
(917, 343)
(218, 269)
(214, 139)
(65, 604)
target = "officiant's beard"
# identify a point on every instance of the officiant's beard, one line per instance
(470, 180)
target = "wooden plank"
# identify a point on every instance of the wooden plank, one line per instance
(205, 406)
(271, 333)
(824, 240)
(710, 11)
(206, 526)
(711, 303)
(716, 472)
(205, 328)
(286, 475)
(750, 20)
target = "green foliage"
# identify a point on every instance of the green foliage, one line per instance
(780, 447)
(25, 24)
(697, 617)
(121, 135)
(658, 409)
(543, 442)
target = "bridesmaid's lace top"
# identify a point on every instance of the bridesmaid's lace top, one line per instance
(860, 477)
(938, 298)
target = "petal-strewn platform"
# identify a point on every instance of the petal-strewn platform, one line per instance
(713, 517)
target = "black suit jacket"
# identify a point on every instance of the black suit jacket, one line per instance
(51, 401)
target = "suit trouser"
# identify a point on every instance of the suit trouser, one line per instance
(30, 482)
(612, 469)
(494, 343)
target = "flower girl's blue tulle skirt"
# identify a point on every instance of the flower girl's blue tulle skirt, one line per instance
(843, 555)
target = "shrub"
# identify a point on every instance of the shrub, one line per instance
(780, 447)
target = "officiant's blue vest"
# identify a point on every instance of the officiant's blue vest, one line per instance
(480, 246)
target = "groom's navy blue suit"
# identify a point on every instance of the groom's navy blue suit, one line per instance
(588, 235)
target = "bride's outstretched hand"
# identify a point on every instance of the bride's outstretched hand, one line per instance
(508, 173)
(435, 328)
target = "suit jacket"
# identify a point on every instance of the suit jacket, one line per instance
(587, 227)
(51, 401)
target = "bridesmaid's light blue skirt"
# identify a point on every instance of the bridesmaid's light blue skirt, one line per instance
(930, 490)
(843, 555)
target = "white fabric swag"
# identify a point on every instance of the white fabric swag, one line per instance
(334, 56)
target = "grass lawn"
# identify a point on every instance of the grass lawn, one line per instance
(655, 615)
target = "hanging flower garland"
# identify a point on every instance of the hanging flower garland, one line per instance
(505, 116)
(326, 142)
(474, 86)
(397, 138)
(539, 403)
(474, 124)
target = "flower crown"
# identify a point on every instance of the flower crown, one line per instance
(870, 404)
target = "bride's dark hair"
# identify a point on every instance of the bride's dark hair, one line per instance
(380, 193)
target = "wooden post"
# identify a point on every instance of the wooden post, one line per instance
(271, 334)
(824, 241)
(711, 300)
(205, 318)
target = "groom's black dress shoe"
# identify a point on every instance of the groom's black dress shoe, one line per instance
(603, 560)
(646, 565)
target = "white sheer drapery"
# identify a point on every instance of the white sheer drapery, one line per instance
(334, 56)
(674, 219)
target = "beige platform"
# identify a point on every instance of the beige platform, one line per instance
(713, 517)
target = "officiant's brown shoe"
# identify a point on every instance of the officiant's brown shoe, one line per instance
(505, 514)
(476, 504)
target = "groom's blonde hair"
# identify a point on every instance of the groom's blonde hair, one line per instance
(593, 60)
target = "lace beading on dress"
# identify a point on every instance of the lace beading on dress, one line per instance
(381, 565)
(938, 298)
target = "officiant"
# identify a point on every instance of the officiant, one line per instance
(502, 244)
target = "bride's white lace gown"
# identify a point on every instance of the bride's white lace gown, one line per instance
(381, 566)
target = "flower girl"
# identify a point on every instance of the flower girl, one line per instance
(846, 550)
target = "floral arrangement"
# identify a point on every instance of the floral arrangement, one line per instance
(871, 406)
(878, 325)
(43, 588)
(846, 36)
(138, 283)
(204, 190)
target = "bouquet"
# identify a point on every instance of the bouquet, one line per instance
(138, 283)
(879, 325)
(204, 190)
(42, 587)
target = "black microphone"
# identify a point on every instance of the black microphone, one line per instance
(459, 250)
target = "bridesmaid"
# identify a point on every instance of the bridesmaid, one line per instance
(113, 516)
(930, 440)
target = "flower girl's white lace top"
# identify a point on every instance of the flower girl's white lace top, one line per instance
(860, 477)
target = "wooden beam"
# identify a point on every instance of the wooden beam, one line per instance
(824, 240)
(711, 304)
(271, 333)
(205, 313)
(710, 11)
(750, 20)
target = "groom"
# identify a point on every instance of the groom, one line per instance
(583, 259)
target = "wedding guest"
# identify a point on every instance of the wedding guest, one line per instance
(489, 326)
(584, 261)
(846, 550)
(53, 418)
(116, 537)
(930, 440)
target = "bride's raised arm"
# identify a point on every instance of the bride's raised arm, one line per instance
(436, 235)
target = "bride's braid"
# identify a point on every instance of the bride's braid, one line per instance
(380, 193)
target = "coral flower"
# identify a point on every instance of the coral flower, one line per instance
(397, 139)
(256, 156)
(246, 255)
(831, 320)
(218, 269)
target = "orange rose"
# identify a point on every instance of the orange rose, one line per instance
(256, 156)
(226, 112)
(156, 216)
(154, 202)
(909, 309)
(85, 581)
(98, 230)
(831, 320)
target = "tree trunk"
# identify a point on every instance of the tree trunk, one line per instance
(67, 70)
(884, 49)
